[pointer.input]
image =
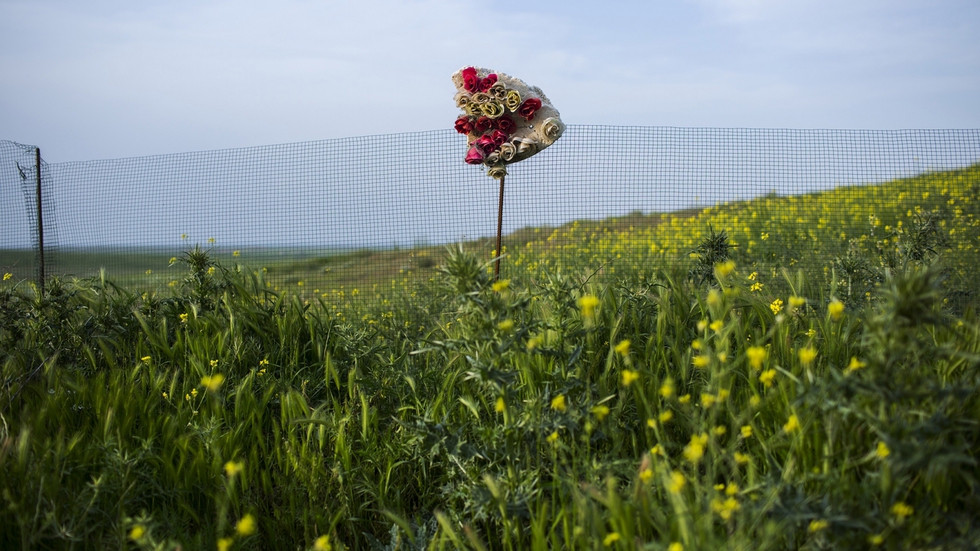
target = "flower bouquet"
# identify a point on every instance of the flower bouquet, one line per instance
(504, 119)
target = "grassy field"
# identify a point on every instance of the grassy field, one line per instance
(781, 373)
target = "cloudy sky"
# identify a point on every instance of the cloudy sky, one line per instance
(117, 78)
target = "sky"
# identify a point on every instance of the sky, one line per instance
(106, 79)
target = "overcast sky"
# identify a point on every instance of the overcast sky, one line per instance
(115, 78)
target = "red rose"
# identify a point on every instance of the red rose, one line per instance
(528, 108)
(498, 137)
(464, 124)
(486, 143)
(486, 83)
(475, 155)
(470, 81)
(483, 124)
(506, 125)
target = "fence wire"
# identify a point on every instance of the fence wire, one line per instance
(367, 211)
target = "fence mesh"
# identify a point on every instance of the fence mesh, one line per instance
(368, 211)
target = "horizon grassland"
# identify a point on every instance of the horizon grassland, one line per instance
(778, 373)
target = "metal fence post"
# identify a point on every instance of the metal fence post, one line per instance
(40, 222)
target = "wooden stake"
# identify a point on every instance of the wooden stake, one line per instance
(500, 224)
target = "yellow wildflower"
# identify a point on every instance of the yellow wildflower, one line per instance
(666, 416)
(902, 509)
(675, 546)
(224, 544)
(587, 305)
(322, 544)
(684, 399)
(807, 355)
(754, 401)
(792, 424)
(767, 377)
(145, 359)
(667, 388)
(552, 438)
(558, 403)
(731, 489)
(657, 450)
(677, 482)
(236, 253)
(776, 306)
(610, 539)
(211, 271)
(213, 382)
(717, 326)
(214, 363)
(725, 509)
(741, 458)
(882, 451)
(233, 468)
(835, 309)
(755, 287)
(701, 361)
(600, 412)
(818, 525)
(194, 392)
(501, 285)
(500, 406)
(714, 297)
(723, 394)
(876, 539)
(623, 348)
(724, 269)
(757, 355)
(7, 276)
(652, 423)
(694, 451)
(629, 376)
(183, 318)
(855, 364)
(708, 400)
(796, 302)
(137, 532)
(646, 474)
(702, 325)
(720, 430)
(697, 344)
(246, 526)
(746, 431)
(506, 325)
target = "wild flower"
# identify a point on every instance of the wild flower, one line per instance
(676, 482)
(720, 430)
(694, 451)
(213, 382)
(665, 416)
(500, 285)
(137, 532)
(505, 325)
(675, 546)
(623, 348)
(552, 438)
(818, 525)
(876, 539)
(183, 318)
(792, 424)
(756, 287)
(610, 539)
(835, 309)
(731, 489)
(882, 450)
(629, 376)
(796, 302)
(667, 388)
(726, 508)
(322, 543)
(500, 405)
(902, 510)
(701, 361)
(646, 474)
(685, 399)
(855, 364)
(224, 544)
(767, 377)
(717, 326)
(776, 306)
(746, 431)
(807, 355)
(600, 411)
(757, 355)
(246, 526)
(558, 403)
(588, 305)
(145, 359)
(708, 400)
(725, 269)
(755, 400)
(7, 276)
(741, 458)
(233, 468)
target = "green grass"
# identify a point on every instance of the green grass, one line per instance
(657, 405)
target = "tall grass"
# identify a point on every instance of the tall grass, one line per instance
(694, 407)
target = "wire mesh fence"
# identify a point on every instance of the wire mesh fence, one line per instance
(336, 215)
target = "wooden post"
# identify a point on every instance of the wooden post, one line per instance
(40, 222)
(500, 224)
